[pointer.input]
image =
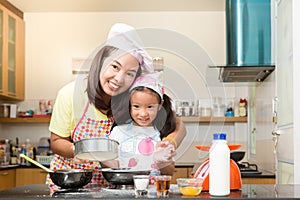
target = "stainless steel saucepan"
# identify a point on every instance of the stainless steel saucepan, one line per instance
(96, 149)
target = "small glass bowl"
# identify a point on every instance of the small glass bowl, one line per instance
(190, 186)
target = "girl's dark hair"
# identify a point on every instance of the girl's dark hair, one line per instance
(95, 92)
(165, 120)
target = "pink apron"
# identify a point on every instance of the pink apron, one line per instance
(85, 128)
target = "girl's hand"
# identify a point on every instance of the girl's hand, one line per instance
(164, 144)
(164, 153)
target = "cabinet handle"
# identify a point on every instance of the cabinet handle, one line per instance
(4, 173)
(12, 94)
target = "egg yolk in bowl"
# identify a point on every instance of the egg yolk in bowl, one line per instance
(190, 190)
(190, 186)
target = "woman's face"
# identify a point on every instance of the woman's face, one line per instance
(144, 107)
(116, 76)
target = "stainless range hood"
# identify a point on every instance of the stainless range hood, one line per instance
(245, 73)
(248, 41)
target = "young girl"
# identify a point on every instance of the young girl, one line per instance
(151, 120)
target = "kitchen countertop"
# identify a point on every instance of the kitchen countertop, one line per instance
(264, 174)
(248, 192)
(19, 166)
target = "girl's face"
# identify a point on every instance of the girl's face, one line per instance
(144, 107)
(116, 76)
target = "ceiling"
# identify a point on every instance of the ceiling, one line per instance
(117, 5)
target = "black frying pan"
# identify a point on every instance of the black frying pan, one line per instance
(71, 178)
(237, 155)
(121, 176)
(67, 178)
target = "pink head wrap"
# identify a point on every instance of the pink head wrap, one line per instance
(126, 38)
(150, 80)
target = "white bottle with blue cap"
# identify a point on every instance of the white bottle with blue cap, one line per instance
(219, 166)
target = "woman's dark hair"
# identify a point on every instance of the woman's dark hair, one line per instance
(95, 92)
(165, 120)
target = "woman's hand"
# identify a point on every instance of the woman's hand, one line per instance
(110, 164)
(81, 161)
(178, 135)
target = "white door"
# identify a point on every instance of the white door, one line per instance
(284, 106)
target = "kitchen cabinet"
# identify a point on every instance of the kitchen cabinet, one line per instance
(26, 176)
(258, 180)
(7, 179)
(181, 172)
(12, 55)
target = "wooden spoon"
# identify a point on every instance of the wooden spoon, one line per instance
(36, 163)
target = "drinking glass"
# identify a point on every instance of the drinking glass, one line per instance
(141, 183)
(162, 185)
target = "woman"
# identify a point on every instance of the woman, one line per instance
(83, 109)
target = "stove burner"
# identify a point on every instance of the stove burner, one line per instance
(246, 167)
(119, 190)
(96, 191)
(70, 191)
(120, 187)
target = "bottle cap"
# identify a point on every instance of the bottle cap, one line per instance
(219, 136)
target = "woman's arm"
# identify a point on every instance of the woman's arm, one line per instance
(62, 145)
(178, 135)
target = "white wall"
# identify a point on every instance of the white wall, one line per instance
(296, 83)
(53, 39)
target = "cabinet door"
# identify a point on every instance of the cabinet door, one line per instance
(190, 171)
(12, 55)
(26, 176)
(179, 173)
(7, 179)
